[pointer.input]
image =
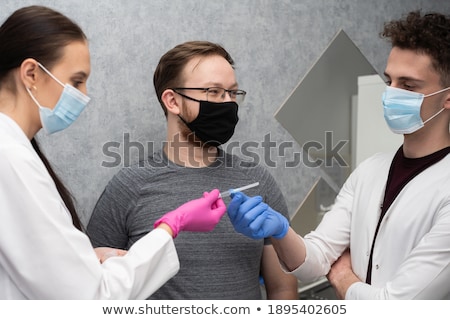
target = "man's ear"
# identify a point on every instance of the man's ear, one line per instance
(172, 104)
(29, 72)
(447, 101)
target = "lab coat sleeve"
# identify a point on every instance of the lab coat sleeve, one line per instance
(47, 258)
(325, 244)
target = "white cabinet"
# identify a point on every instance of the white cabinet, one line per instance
(370, 133)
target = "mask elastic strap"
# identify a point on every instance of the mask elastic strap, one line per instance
(437, 92)
(33, 98)
(435, 115)
(184, 121)
(50, 74)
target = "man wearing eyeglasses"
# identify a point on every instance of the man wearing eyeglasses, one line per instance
(196, 86)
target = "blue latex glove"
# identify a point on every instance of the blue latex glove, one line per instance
(254, 218)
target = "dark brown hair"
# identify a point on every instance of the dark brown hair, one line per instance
(170, 67)
(41, 33)
(428, 33)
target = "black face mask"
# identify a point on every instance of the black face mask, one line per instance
(215, 122)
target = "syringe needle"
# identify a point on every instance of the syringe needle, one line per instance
(227, 193)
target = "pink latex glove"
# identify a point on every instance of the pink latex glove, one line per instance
(196, 215)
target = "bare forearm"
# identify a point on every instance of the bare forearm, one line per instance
(342, 282)
(341, 275)
(291, 250)
(287, 294)
(279, 285)
(167, 228)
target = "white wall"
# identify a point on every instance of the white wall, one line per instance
(371, 132)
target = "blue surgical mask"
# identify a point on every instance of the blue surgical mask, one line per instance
(69, 106)
(402, 109)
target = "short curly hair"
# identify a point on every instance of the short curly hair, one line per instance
(428, 33)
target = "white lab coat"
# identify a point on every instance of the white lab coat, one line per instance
(42, 256)
(411, 259)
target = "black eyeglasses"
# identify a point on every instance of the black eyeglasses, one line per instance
(216, 94)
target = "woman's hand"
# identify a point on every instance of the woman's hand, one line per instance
(103, 253)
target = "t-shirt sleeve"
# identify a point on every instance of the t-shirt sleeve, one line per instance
(107, 225)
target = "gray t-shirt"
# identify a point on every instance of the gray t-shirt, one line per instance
(221, 264)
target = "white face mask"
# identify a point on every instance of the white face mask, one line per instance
(402, 109)
(69, 106)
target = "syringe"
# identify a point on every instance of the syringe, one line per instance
(227, 193)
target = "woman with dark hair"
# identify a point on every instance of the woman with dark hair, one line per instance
(44, 254)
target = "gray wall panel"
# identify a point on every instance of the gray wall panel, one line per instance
(274, 43)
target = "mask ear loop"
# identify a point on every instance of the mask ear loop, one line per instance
(50, 74)
(437, 92)
(433, 116)
(32, 96)
(442, 109)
